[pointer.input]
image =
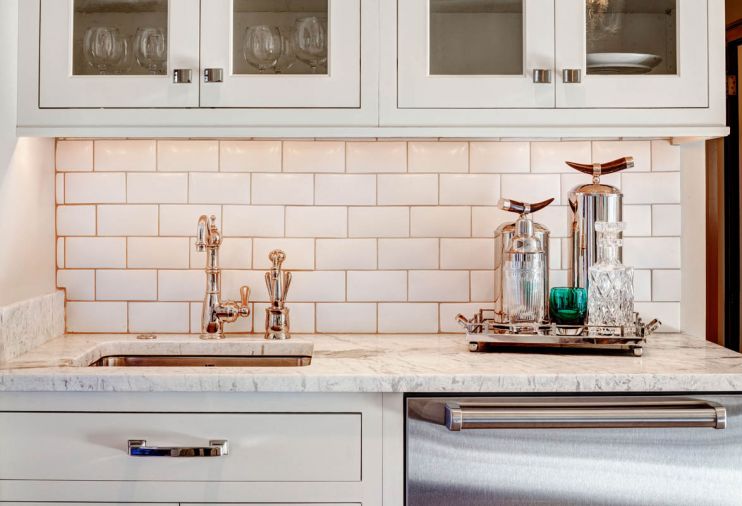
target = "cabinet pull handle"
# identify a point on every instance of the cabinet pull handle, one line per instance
(572, 76)
(669, 414)
(213, 75)
(542, 76)
(181, 76)
(216, 448)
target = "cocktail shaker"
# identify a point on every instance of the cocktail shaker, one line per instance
(588, 204)
(522, 266)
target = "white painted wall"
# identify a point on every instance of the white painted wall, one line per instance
(26, 187)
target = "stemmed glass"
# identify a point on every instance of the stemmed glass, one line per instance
(287, 60)
(311, 42)
(103, 47)
(262, 47)
(151, 49)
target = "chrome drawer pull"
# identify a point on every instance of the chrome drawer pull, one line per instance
(703, 414)
(216, 448)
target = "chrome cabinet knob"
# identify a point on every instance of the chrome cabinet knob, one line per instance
(572, 76)
(182, 76)
(213, 75)
(542, 76)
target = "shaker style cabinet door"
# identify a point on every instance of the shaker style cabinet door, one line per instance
(118, 53)
(632, 53)
(281, 54)
(475, 53)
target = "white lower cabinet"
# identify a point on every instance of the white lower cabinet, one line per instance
(240, 449)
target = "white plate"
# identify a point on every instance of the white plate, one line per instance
(622, 63)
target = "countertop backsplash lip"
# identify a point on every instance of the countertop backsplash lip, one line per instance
(387, 236)
(30, 323)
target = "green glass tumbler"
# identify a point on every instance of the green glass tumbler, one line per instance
(567, 305)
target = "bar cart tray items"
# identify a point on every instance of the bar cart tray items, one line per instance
(485, 332)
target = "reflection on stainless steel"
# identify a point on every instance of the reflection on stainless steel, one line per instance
(202, 361)
(665, 451)
(216, 448)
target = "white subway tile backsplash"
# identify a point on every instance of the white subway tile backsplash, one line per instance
(408, 318)
(313, 156)
(379, 222)
(355, 318)
(253, 221)
(75, 220)
(59, 188)
(187, 155)
(376, 157)
(469, 254)
(125, 155)
(550, 156)
(666, 312)
(345, 189)
(219, 188)
(530, 187)
(440, 221)
(250, 156)
(163, 317)
(371, 246)
(158, 252)
(641, 151)
(500, 157)
(96, 316)
(124, 285)
(346, 254)
(438, 286)
(74, 156)
(446, 156)
(316, 222)
(654, 188)
(283, 189)
(95, 252)
(407, 189)
(470, 189)
(79, 284)
(88, 188)
(373, 286)
(127, 220)
(408, 253)
(157, 188)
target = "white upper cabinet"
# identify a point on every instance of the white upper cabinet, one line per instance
(476, 53)
(298, 53)
(632, 53)
(117, 53)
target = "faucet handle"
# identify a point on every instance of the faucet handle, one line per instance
(277, 257)
(244, 294)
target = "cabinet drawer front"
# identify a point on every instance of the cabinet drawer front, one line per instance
(263, 447)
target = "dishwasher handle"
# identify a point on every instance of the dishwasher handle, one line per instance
(702, 414)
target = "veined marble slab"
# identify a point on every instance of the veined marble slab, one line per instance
(30, 323)
(381, 363)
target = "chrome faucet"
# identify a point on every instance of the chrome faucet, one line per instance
(215, 312)
(277, 314)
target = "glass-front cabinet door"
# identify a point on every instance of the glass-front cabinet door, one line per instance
(119, 53)
(632, 53)
(281, 53)
(475, 53)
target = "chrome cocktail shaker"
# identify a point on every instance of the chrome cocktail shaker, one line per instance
(588, 204)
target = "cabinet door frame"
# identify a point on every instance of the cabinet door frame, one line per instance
(59, 88)
(339, 88)
(419, 89)
(689, 88)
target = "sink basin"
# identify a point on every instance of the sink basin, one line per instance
(202, 361)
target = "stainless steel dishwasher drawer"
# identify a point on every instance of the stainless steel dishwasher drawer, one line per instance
(628, 450)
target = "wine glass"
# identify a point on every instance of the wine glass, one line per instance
(151, 49)
(102, 47)
(262, 47)
(287, 60)
(126, 59)
(311, 42)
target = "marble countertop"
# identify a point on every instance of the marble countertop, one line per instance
(376, 363)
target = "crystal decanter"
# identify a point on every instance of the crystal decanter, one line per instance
(610, 299)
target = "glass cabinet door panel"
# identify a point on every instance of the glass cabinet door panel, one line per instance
(120, 37)
(280, 37)
(475, 54)
(631, 36)
(476, 37)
